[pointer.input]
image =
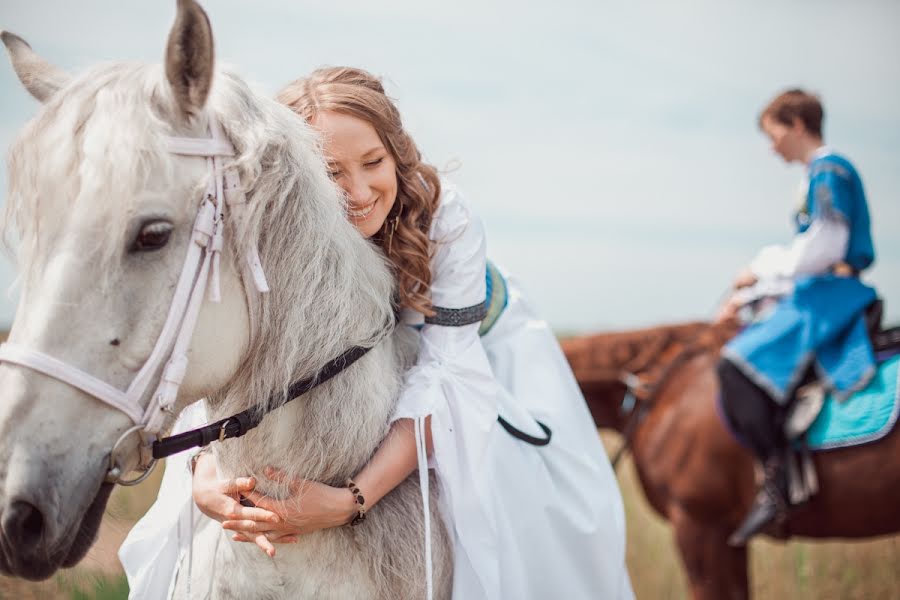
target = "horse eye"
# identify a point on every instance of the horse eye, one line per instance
(153, 236)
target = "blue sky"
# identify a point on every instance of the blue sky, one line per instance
(611, 148)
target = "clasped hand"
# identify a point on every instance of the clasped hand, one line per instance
(310, 506)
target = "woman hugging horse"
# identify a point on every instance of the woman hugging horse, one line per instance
(526, 492)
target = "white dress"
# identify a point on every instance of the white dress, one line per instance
(528, 522)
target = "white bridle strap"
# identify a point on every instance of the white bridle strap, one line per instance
(236, 200)
(201, 267)
(162, 401)
(176, 324)
(177, 307)
(42, 363)
(229, 187)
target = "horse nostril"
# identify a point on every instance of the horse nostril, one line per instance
(23, 524)
(33, 525)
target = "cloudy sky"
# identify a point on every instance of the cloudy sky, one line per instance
(611, 147)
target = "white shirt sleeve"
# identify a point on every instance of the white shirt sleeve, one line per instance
(458, 281)
(452, 382)
(815, 250)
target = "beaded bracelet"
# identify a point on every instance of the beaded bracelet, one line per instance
(360, 504)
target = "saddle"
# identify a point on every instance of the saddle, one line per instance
(811, 398)
(810, 395)
(884, 341)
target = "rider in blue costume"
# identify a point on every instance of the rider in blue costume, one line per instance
(818, 322)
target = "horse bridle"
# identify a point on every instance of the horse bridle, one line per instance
(640, 396)
(199, 271)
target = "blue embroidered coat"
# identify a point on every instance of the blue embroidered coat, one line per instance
(823, 319)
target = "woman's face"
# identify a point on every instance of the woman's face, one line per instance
(361, 165)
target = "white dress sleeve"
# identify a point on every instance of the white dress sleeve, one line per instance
(458, 281)
(814, 251)
(452, 382)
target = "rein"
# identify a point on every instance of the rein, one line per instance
(242, 422)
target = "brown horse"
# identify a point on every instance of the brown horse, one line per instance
(693, 471)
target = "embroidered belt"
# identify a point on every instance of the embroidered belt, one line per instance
(487, 312)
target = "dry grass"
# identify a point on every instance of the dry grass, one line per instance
(796, 571)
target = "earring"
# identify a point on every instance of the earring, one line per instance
(392, 227)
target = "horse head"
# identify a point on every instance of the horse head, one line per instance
(104, 215)
(616, 371)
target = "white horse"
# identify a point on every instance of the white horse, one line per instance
(103, 213)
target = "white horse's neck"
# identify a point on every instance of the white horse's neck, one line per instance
(330, 290)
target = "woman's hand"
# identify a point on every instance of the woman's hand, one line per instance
(310, 507)
(220, 499)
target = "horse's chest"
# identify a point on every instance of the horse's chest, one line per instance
(220, 569)
(298, 571)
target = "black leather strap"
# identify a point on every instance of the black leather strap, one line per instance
(239, 424)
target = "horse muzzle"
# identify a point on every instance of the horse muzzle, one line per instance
(33, 546)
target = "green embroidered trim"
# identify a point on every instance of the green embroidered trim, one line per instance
(497, 301)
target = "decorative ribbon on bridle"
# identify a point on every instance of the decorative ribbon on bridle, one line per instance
(201, 268)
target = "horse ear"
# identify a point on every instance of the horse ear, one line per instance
(190, 57)
(39, 77)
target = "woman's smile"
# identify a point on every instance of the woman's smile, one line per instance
(360, 214)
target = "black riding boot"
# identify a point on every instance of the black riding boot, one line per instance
(770, 502)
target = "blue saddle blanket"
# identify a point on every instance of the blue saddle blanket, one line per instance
(866, 416)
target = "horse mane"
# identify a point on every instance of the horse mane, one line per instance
(331, 289)
(604, 357)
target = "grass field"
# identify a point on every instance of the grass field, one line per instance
(798, 570)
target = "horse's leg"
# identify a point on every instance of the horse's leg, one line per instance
(715, 570)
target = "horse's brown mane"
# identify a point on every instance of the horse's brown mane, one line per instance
(603, 357)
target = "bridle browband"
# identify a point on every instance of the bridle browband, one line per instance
(200, 270)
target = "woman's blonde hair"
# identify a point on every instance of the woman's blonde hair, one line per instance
(404, 235)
